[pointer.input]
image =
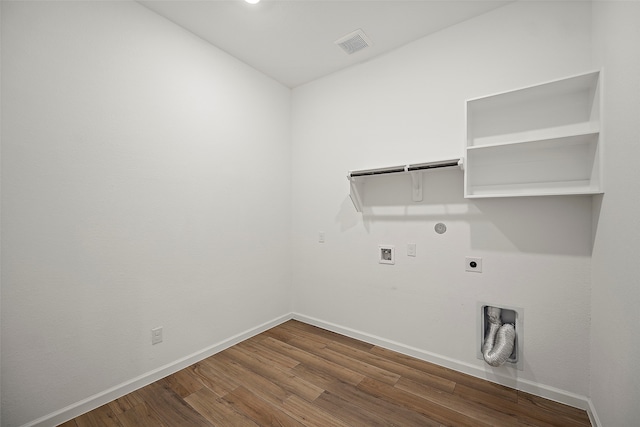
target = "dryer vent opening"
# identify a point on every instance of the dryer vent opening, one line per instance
(500, 335)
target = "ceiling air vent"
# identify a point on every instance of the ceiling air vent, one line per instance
(353, 42)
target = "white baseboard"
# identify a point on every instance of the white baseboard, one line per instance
(593, 416)
(551, 393)
(97, 400)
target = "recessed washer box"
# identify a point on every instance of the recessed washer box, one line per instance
(386, 254)
(513, 315)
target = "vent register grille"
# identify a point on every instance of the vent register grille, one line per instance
(353, 42)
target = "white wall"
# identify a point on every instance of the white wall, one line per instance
(0, 211)
(615, 341)
(408, 106)
(143, 170)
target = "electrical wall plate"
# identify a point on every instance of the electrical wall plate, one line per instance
(411, 249)
(386, 254)
(156, 335)
(473, 264)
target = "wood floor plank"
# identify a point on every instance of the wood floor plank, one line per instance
(450, 374)
(549, 405)
(392, 366)
(216, 410)
(331, 336)
(552, 413)
(360, 366)
(213, 378)
(314, 376)
(380, 407)
(311, 360)
(184, 382)
(311, 346)
(273, 357)
(262, 412)
(524, 416)
(123, 403)
(286, 380)
(279, 334)
(257, 384)
(100, 417)
(170, 408)
(488, 400)
(301, 333)
(319, 348)
(425, 407)
(300, 375)
(140, 416)
(525, 421)
(309, 414)
(457, 404)
(348, 412)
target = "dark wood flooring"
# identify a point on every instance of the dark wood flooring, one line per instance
(299, 375)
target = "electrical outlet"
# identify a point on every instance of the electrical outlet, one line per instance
(156, 335)
(321, 236)
(473, 264)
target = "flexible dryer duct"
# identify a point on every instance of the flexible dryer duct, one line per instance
(500, 339)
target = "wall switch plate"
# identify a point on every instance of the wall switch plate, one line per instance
(320, 236)
(473, 264)
(156, 335)
(411, 249)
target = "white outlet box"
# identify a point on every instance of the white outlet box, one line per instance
(156, 335)
(386, 254)
(473, 264)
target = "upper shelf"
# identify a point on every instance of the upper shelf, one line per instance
(557, 105)
(539, 140)
(357, 177)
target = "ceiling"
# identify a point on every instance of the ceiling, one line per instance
(293, 40)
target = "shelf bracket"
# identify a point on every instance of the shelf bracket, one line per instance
(416, 186)
(355, 194)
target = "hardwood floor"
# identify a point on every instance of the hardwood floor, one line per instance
(299, 375)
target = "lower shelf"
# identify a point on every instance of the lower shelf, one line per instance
(568, 165)
(533, 189)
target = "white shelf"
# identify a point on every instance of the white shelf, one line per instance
(358, 178)
(533, 189)
(583, 128)
(539, 140)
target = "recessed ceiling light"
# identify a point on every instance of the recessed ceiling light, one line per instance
(252, 1)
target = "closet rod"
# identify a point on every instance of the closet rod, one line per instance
(406, 168)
